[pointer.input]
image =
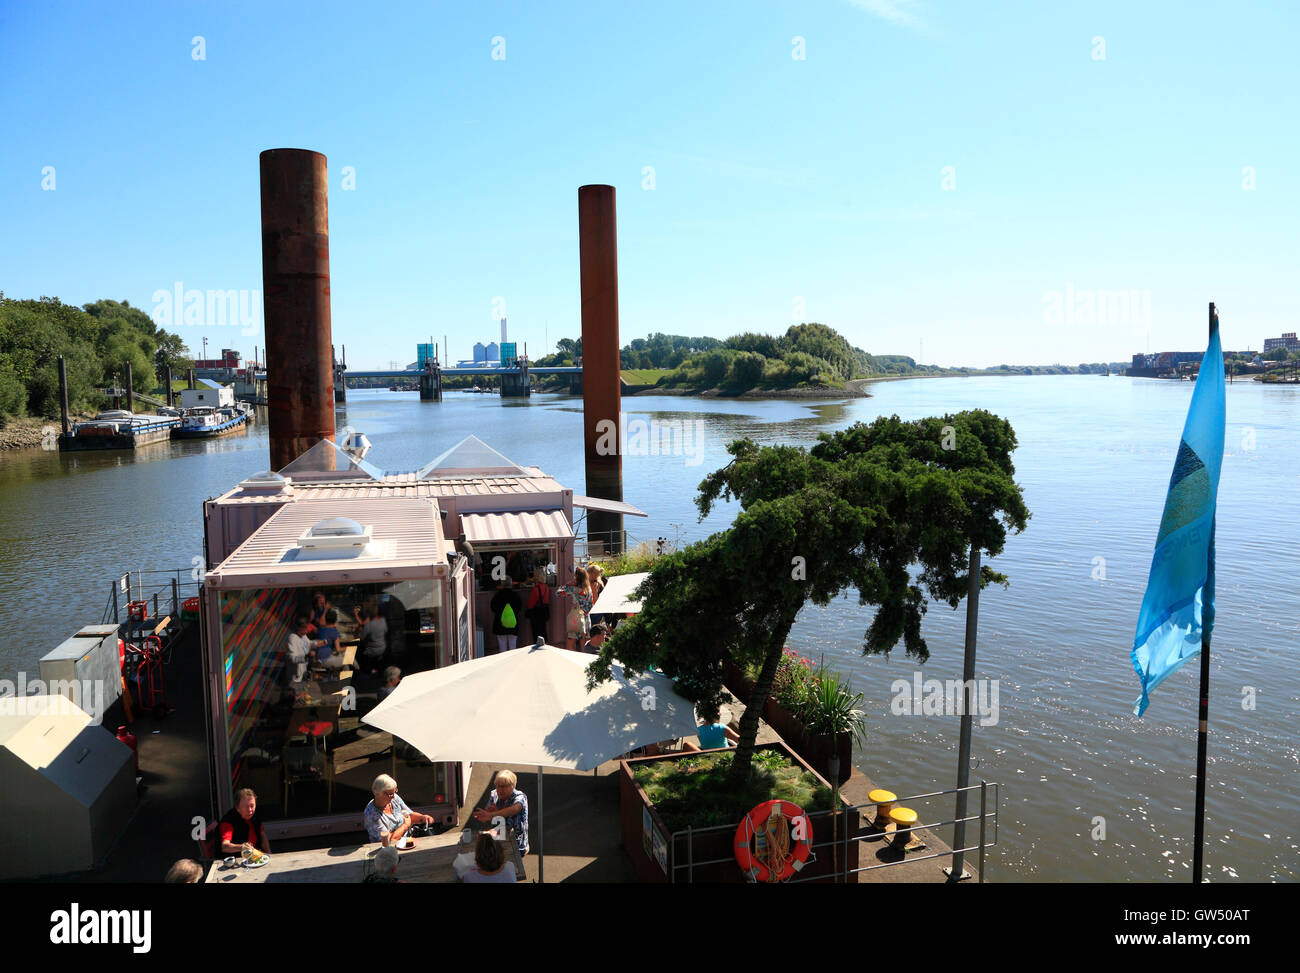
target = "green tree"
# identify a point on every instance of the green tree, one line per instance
(747, 369)
(859, 510)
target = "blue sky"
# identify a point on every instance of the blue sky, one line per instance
(964, 181)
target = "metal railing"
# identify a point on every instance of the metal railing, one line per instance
(845, 836)
(603, 544)
(163, 589)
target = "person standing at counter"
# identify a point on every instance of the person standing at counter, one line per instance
(506, 612)
(538, 607)
(578, 623)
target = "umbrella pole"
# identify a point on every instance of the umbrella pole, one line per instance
(541, 843)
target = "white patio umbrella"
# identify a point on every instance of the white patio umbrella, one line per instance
(531, 706)
(617, 598)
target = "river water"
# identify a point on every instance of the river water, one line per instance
(1088, 792)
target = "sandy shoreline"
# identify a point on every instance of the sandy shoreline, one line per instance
(29, 432)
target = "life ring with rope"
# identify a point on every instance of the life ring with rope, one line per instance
(785, 841)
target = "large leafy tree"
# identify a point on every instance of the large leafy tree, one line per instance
(889, 509)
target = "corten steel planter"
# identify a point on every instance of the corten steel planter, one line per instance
(637, 811)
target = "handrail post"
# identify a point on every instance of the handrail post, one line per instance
(176, 599)
(690, 855)
(984, 789)
(117, 618)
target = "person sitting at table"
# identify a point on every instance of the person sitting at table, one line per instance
(298, 651)
(320, 607)
(386, 860)
(185, 871)
(241, 828)
(326, 645)
(374, 637)
(392, 676)
(508, 803)
(490, 865)
(387, 818)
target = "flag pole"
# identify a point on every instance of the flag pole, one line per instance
(1202, 731)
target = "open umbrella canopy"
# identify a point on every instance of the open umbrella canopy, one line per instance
(617, 598)
(530, 706)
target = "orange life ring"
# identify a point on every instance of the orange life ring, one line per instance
(754, 823)
(190, 605)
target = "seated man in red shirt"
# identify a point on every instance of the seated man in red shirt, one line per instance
(242, 827)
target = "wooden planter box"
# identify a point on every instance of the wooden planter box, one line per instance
(655, 852)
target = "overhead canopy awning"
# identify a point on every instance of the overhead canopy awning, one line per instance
(528, 525)
(617, 598)
(607, 506)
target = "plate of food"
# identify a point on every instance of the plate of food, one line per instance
(256, 860)
(405, 843)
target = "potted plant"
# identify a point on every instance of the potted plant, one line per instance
(833, 719)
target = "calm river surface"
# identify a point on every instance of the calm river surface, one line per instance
(1094, 460)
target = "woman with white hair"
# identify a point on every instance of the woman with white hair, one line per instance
(387, 817)
(509, 803)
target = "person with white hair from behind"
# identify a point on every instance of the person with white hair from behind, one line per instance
(385, 860)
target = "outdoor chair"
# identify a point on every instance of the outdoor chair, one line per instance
(208, 844)
(304, 762)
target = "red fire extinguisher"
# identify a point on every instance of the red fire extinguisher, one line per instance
(127, 737)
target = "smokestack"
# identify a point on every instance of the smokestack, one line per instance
(296, 301)
(503, 331)
(602, 395)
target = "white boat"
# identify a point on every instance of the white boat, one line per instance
(205, 421)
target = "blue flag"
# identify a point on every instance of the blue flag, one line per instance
(1178, 607)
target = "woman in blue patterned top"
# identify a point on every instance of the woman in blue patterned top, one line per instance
(508, 803)
(387, 817)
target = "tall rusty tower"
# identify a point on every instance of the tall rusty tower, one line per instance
(602, 394)
(296, 301)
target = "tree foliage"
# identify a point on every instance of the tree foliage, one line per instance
(888, 509)
(96, 342)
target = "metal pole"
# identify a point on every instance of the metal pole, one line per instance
(1203, 719)
(541, 842)
(958, 869)
(63, 394)
(690, 855)
(834, 765)
(176, 599)
(984, 795)
(117, 618)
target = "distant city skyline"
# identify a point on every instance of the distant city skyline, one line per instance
(968, 185)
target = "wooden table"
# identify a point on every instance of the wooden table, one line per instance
(430, 860)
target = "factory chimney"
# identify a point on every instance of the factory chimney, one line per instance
(296, 302)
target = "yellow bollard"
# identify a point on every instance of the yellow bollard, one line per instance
(904, 818)
(884, 801)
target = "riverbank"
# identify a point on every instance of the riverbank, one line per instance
(30, 432)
